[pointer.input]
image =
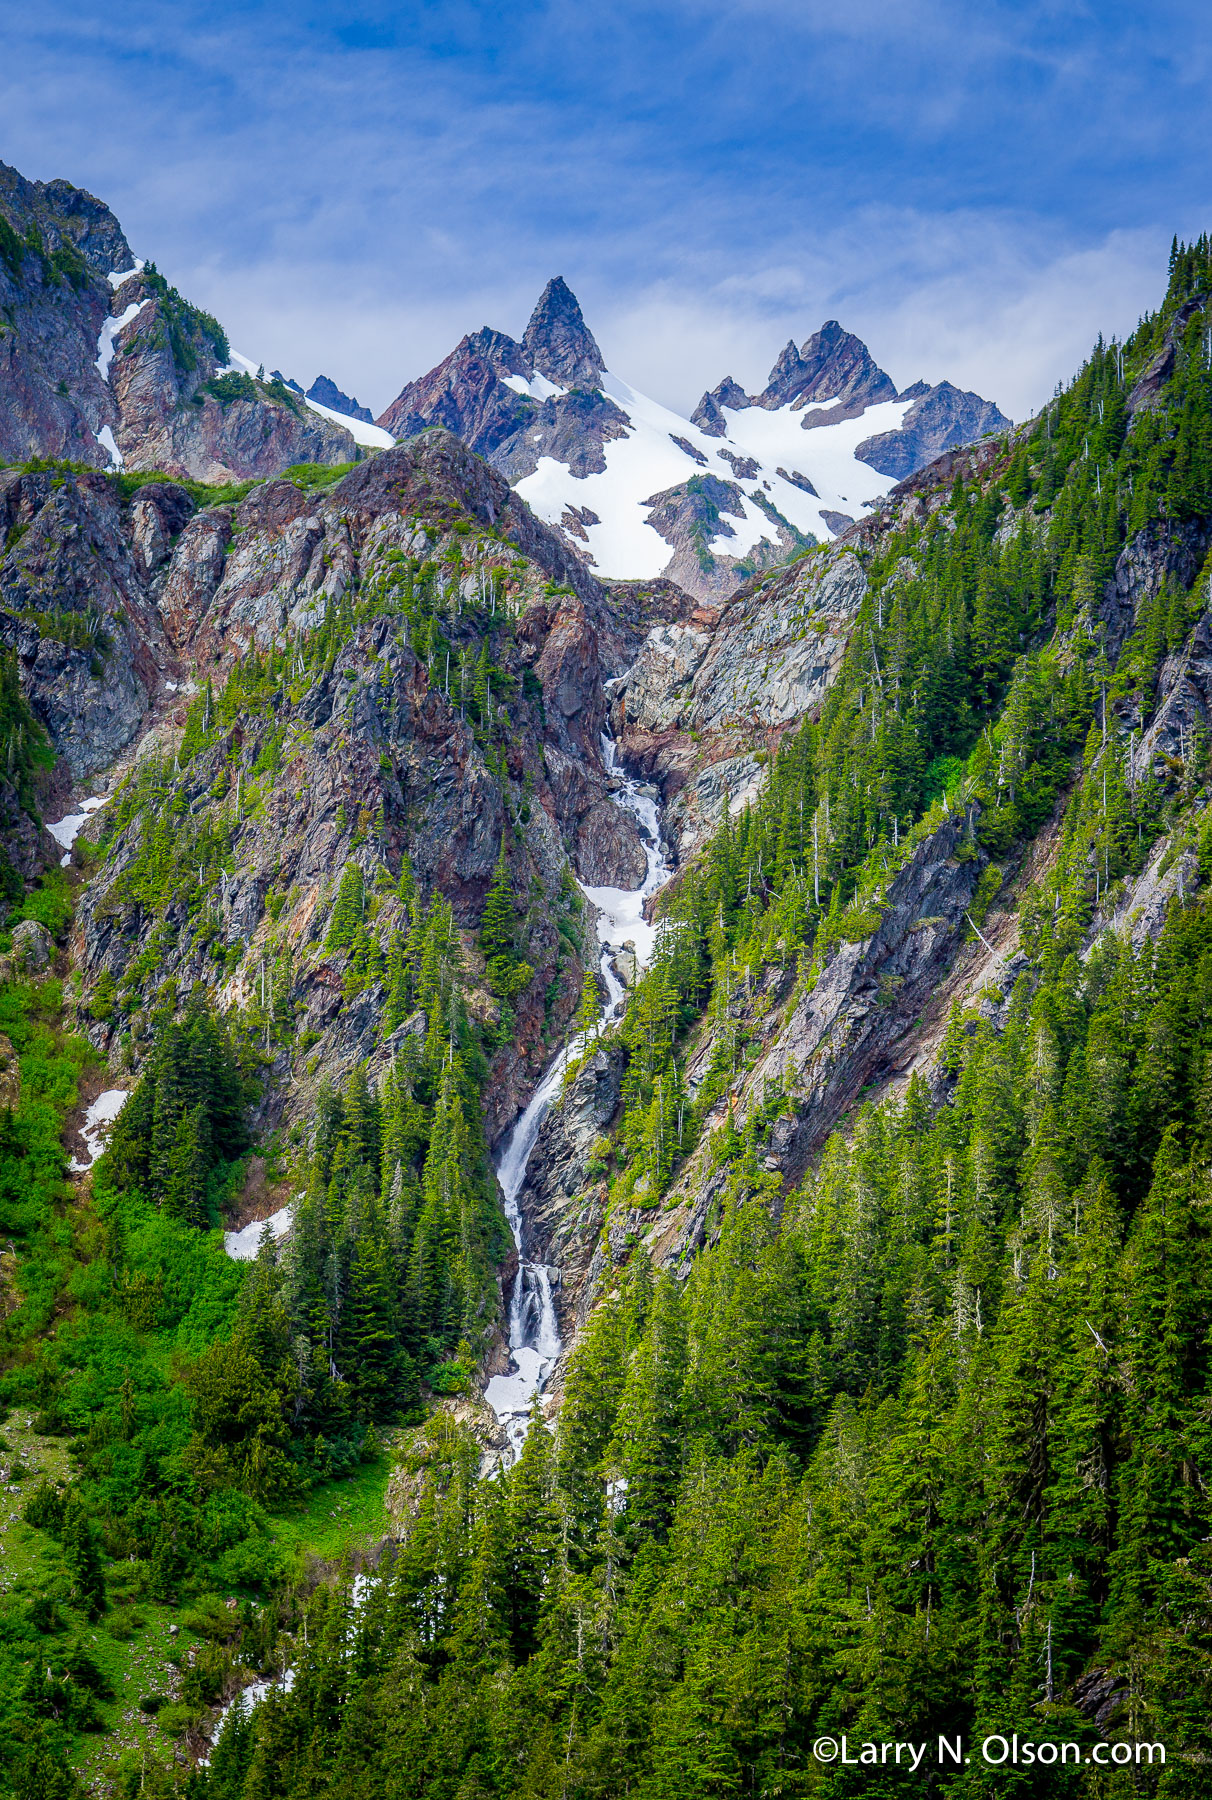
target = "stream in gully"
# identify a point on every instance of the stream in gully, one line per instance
(534, 1335)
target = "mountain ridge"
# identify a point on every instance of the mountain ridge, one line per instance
(547, 411)
(114, 368)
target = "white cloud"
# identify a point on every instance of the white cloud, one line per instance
(356, 210)
(1012, 330)
(986, 307)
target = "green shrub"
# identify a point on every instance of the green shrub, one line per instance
(450, 1378)
(986, 892)
(103, 998)
(189, 328)
(50, 903)
(44, 1614)
(78, 630)
(236, 385)
(44, 1508)
(233, 386)
(317, 475)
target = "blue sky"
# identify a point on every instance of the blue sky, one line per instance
(976, 188)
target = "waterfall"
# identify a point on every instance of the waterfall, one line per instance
(534, 1334)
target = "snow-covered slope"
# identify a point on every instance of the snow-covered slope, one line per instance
(648, 460)
(370, 436)
(641, 491)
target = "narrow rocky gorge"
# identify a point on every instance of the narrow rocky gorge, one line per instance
(627, 938)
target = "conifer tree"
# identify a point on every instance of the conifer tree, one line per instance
(532, 1536)
(497, 922)
(646, 1448)
(82, 1558)
(593, 1388)
(348, 910)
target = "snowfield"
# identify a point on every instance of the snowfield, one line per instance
(372, 437)
(66, 830)
(105, 437)
(538, 387)
(243, 1245)
(109, 331)
(98, 1122)
(646, 461)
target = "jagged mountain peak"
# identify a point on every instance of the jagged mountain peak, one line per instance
(708, 416)
(325, 391)
(557, 341)
(832, 366)
(623, 477)
(831, 340)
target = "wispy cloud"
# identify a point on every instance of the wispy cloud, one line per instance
(978, 189)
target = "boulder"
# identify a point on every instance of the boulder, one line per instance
(33, 947)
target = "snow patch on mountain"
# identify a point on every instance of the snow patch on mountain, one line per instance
(538, 387)
(109, 333)
(647, 460)
(117, 276)
(371, 437)
(105, 437)
(826, 455)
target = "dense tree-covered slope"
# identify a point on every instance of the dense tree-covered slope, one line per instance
(883, 1214)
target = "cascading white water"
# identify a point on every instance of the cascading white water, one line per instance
(534, 1335)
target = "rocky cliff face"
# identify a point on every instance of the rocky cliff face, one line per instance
(517, 403)
(821, 1047)
(178, 411)
(832, 377)
(705, 698)
(77, 606)
(102, 362)
(228, 864)
(940, 418)
(466, 394)
(57, 246)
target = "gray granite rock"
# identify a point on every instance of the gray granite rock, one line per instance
(33, 947)
(941, 418)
